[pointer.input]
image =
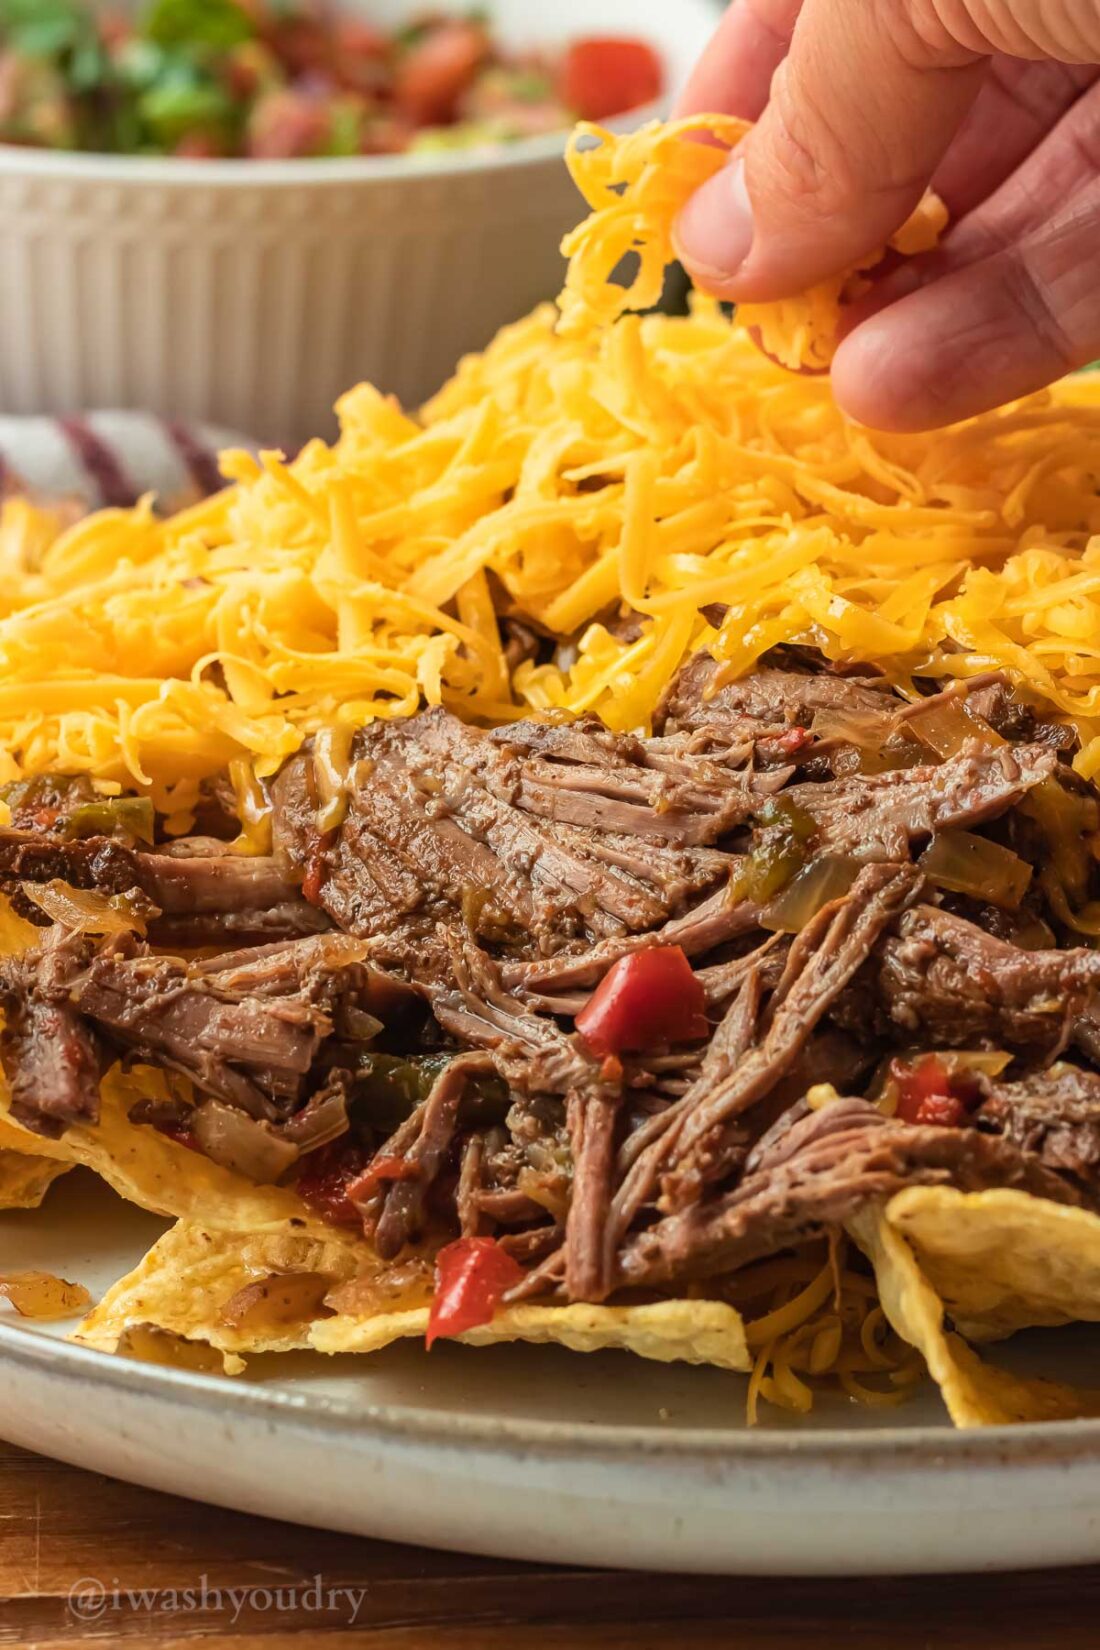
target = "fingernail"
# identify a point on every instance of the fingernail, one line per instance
(713, 234)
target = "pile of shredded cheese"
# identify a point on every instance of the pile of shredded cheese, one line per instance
(571, 478)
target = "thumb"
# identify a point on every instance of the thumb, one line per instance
(861, 113)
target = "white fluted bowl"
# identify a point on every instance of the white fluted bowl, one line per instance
(252, 293)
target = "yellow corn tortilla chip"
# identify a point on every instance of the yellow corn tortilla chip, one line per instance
(1002, 1260)
(185, 1280)
(974, 1393)
(151, 1170)
(24, 1181)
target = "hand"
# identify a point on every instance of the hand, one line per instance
(992, 102)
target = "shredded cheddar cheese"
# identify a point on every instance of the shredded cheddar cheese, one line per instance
(814, 1324)
(637, 185)
(642, 470)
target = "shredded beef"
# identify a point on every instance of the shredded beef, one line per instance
(1054, 1115)
(820, 1172)
(765, 700)
(541, 842)
(592, 1116)
(467, 892)
(942, 981)
(246, 1032)
(1009, 715)
(51, 1057)
(878, 817)
(206, 898)
(403, 1212)
(821, 962)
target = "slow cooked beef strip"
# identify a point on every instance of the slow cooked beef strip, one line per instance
(199, 898)
(823, 960)
(824, 1169)
(484, 884)
(877, 817)
(517, 842)
(51, 1056)
(941, 982)
(766, 702)
(1052, 1114)
(250, 1042)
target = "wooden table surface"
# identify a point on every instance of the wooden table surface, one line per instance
(84, 1560)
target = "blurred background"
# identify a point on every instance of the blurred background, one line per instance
(229, 211)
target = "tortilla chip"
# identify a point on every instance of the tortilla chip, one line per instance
(151, 1170)
(975, 1393)
(1003, 1260)
(185, 1281)
(24, 1181)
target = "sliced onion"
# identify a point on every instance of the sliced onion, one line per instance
(321, 1122)
(1085, 920)
(989, 1062)
(967, 864)
(406, 1285)
(865, 728)
(149, 1344)
(945, 725)
(83, 909)
(241, 1143)
(360, 1026)
(43, 1296)
(816, 886)
(281, 1300)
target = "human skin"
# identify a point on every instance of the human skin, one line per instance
(993, 103)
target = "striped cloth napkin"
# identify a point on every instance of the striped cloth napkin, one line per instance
(112, 458)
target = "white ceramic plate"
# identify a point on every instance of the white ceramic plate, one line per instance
(536, 1453)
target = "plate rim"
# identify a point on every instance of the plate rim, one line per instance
(1032, 1444)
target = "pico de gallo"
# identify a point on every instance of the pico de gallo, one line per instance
(290, 79)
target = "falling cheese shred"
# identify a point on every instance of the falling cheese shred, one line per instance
(604, 484)
(637, 185)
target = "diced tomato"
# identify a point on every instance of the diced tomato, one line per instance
(381, 1169)
(434, 73)
(928, 1092)
(324, 1179)
(286, 125)
(387, 135)
(355, 37)
(649, 998)
(604, 77)
(471, 1276)
(197, 146)
(360, 60)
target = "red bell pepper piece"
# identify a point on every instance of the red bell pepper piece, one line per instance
(605, 77)
(928, 1092)
(649, 998)
(943, 1110)
(471, 1276)
(433, 75)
